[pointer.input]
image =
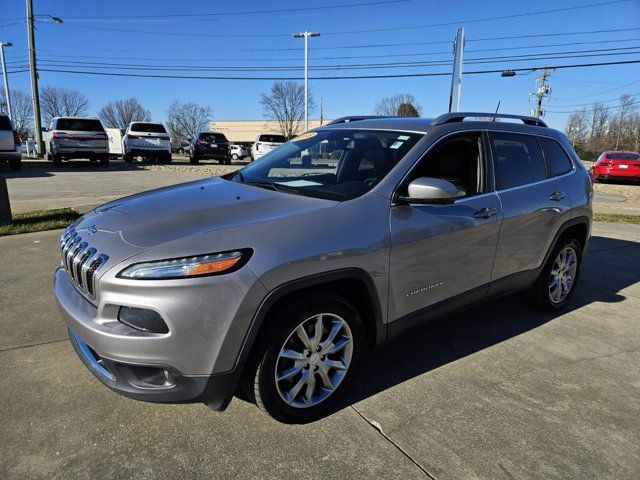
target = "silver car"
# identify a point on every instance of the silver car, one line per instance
(272, 280)
(10, 150)
(76, 137)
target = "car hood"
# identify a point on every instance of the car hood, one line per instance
(160, 216)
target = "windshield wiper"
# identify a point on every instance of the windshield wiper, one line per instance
(278, 187)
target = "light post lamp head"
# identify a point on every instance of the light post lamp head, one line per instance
(57, 20)
(6, 44)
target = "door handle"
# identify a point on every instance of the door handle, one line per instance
(556, 196)
(486, 212)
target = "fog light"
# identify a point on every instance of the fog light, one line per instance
(142, 319)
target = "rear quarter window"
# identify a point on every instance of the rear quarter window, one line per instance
(557, 159)
(82, 125)
(518, 159)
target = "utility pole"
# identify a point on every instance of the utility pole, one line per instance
(34, 78)
(456, 74)
(4, 74)
(543, 92)
(306, 36)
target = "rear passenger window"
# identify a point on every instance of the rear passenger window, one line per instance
(518, 159)
(557, 159)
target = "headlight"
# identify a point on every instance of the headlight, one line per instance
(201, 265)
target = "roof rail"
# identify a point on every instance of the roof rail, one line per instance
(460, 116)
(355, 118)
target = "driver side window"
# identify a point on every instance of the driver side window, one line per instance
(457, 159)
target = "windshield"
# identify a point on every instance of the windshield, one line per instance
(80, 124)
(148, 127)
(269, 138)
(213, 137)
(623, 156)
(332, 164)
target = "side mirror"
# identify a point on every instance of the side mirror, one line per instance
(428, 190)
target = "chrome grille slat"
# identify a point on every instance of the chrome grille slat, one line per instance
(80, 261)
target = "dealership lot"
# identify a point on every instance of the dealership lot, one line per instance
(498, 391)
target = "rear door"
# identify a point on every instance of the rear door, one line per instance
(533, 201)
(445, 253)
(6, 135)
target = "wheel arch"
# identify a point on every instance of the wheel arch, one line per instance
(354, 284)
(580, 227)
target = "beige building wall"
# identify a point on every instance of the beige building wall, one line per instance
(246, 131)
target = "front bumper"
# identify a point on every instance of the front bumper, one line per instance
(158, 384)
(196, 361)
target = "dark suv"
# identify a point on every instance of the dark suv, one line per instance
(275, 278)
(210, 145)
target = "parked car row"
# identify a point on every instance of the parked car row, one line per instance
(10, 144)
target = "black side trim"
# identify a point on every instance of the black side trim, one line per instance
(442, 308)
(305, 282)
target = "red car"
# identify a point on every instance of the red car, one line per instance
(617, 166)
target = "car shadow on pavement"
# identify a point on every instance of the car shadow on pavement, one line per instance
(450, 338)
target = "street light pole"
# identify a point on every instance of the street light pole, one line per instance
(306, 36)
(4, 74)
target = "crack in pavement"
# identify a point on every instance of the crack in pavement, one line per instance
(33, 345)
(378, 428)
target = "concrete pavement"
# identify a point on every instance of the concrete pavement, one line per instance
(498, 391)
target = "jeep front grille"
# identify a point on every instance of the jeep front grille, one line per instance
(80, 260)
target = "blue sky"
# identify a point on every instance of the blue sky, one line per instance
(233, 40)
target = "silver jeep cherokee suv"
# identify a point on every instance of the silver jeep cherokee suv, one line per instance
(271, 281)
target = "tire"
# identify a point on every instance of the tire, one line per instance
(194, 160)
(541, 294)
(127, 157)
(308, 402)
(104, 160)
(15, 165)
(57, 159)
(167, 158)
(234, 156)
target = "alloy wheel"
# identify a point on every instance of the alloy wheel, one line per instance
(563, 274)
(314, 360)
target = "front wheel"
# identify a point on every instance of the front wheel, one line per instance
(104, 160)
(307, 358)
(234, 156)
(194, 160)
(128, 158)
(557, 281)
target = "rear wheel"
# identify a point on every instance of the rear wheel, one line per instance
(234, 156)
(194, 159)
(104, 159)
(127, 157)
(307, 358)
(556, 283)
(57, 159)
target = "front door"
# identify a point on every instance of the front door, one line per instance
(445, 252)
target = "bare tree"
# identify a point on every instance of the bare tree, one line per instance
(186, 119)
(388, 106)
(598, 126)
(284, 103)
(576, 128)
(120, 113)
(623, 119)
(62, 102)
(21, 110)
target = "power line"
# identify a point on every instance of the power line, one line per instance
(138, 18)
(599, 101)
(351, 77)
(514, 58)
(351, 32)
(344, 57)
(601, 92)
(603, 108)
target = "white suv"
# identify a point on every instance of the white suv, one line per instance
(147, 140)
(265, 143)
